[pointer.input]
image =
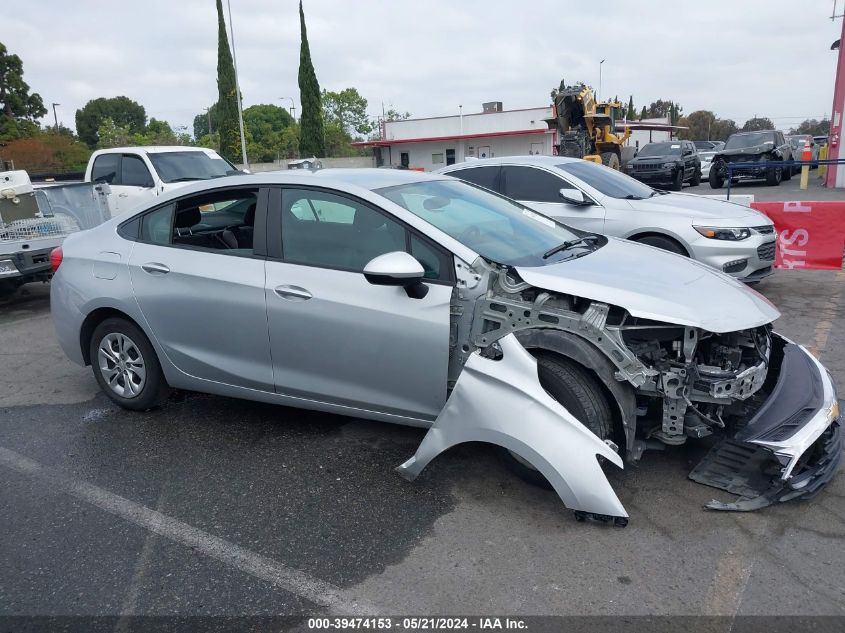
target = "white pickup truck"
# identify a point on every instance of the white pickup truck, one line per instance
(138, 174)
(35, 220)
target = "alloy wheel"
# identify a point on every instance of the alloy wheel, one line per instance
(122, 365)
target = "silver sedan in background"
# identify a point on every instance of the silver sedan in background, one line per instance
(427, 301)
(729, 237)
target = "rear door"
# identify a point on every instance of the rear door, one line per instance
(202, 291)
(540, 190)
(335, 337)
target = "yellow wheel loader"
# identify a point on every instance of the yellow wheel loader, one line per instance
(586, 129)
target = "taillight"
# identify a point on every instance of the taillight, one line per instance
(56, 258)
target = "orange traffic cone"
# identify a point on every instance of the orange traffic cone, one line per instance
(807, 155)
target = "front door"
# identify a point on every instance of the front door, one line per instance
(335, 337)
(134, 186)
(540, 190)
(200, 287)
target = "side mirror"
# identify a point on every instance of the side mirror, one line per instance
(574, 196)
(397, 269)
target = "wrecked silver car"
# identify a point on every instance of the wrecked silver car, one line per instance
(427, 301)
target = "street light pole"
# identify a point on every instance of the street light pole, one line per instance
(599, 92)
(292, 107)
(237, 86)
(56, 117)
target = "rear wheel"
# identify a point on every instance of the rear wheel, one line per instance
(664, 243)
(786, 174)
(577, 391)
(610, 159)
(125, 365)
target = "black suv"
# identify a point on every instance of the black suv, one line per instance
(753, 147)
(671, 164)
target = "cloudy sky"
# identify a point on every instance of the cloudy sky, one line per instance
(739, 58)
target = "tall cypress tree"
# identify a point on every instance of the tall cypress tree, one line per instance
(312, 140)
(227, 95)
(631, 114)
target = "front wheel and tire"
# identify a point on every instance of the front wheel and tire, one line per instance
(696, 178)
(611, 159)
(677, 180)
(577, 391)
(663, 243)
(773, 176)
(125, 365)
(716, 181)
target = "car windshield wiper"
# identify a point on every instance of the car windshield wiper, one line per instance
(569, 244)
(186, 179)
(631, 196)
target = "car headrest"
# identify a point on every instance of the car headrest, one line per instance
(187, 218)
(367, 220)
(249, 216)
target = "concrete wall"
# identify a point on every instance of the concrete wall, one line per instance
(423, 154)
(352, 161)
(480, 123)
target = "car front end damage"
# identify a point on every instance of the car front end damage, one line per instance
(765, 405)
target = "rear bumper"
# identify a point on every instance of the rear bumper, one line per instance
(792, 445)
(27, 264)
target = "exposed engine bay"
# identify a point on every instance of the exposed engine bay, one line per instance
(670, 383)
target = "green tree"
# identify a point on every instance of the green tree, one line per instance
(18, 107)
(227, 95)
(156, 133)
(264, 123)
(722, 129)
(631, 113)
(312, 140)
(348, 109)
(110, 134)
(201, 122)
(289, 142)
(123, 112)
(758, 123)
(699, 124)
(813, 127)
(643, 113)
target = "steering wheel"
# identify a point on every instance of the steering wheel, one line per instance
(470, 234)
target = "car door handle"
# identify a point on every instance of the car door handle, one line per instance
(123, 195)
(155, 269)
(292, 293)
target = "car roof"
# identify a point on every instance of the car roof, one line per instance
(545, 161)
(157, 149)
(372, 178)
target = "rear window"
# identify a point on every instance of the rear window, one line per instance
(105, 168)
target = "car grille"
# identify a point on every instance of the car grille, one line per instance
(766, 251)
(764, 230)
(646, 166)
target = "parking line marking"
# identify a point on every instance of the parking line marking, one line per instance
(256, 565)
(828, 313)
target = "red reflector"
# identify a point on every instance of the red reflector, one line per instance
(56, 258)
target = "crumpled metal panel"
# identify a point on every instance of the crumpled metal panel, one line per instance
(82, 204)
(502, 402)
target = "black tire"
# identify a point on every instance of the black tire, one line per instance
(578, 391)
(696, 178)
(664, 243)
(611, 159)
(774, 176)
(786, 174)
(716, 181)
(677, 180)
(8, 287)
(152, 389)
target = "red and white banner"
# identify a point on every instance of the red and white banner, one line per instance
(811, 234)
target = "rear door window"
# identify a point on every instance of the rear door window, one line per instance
(481, 176)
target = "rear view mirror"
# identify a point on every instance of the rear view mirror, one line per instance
(397, 269)
(574, 196)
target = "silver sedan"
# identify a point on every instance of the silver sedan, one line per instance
(729, 237)
(423, 300)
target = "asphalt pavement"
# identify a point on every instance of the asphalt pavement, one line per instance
(215, 506)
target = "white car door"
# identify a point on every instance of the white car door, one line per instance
(540, 190)
(335, 337)
(134, 185)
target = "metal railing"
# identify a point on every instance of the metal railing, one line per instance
(769, 164)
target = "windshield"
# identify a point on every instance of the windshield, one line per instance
(181, 166)
(661, 149)
(491, 225)
(741, 141)
(608, 181)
